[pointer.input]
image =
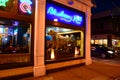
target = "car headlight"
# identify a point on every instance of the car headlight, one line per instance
(111, 52)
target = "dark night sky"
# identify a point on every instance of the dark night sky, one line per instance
(102, 5)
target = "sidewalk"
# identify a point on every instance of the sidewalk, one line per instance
(95, 71)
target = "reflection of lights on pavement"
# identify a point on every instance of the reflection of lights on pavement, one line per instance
(48, 78)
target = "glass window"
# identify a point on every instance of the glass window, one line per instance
(15, 39)
(63, 43)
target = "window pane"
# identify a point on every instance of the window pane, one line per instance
(15, 39)
(63, 43)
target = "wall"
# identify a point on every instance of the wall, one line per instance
(16, 71)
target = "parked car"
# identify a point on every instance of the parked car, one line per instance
(102, 51)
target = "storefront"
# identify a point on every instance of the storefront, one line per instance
(62, 35)
(65, 29)
(16, 32)
(58, 36)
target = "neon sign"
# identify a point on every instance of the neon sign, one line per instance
(25, 6)
(64, 15)
(3, 2)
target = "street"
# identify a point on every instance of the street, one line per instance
(112, 61)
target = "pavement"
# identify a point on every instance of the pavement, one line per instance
(96, 71)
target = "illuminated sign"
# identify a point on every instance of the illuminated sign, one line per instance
(64, 15)
(25, 6)
(3, 2)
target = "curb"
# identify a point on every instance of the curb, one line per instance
(107, 63)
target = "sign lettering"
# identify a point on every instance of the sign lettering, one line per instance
(64, 15)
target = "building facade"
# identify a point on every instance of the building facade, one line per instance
(55, 58)
(105, 28)
(16, 37)
(45, 35)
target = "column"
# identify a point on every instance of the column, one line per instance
(39, 42)
(88, 37)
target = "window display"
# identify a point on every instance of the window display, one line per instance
(15, 37)
(63, 43)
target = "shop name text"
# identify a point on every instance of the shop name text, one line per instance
(64, 16)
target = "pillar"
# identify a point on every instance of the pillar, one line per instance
(39, 42)
(88, 37)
